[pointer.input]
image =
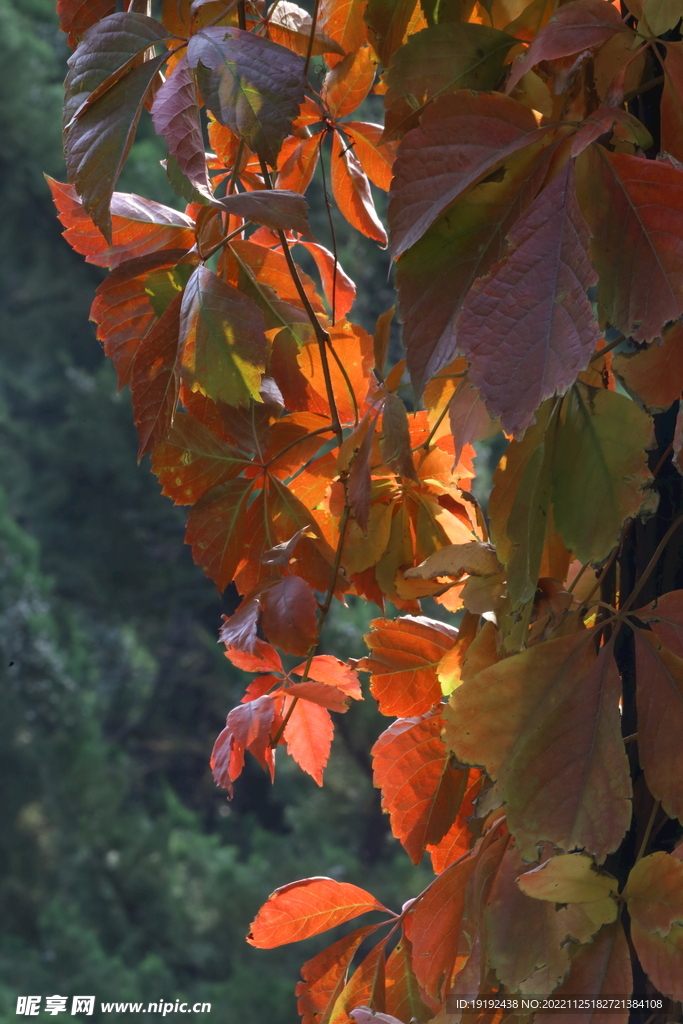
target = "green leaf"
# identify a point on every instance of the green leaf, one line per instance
(99, 138)
(600, 469)
(441, 59)
(250, 84)
(221, 334)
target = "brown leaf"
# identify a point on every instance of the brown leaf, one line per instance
(289, 615)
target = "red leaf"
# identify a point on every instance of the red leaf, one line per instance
(247, 728)
(634, 208)
(308, 907)
(405, 654)
(659, 682)
(458, 839)
(289, 615)
(324, 976)
(265, 658)
(297, 163)
(467, 133)
(352, 192)
(325, 696)
(250, 84)
(339, 289)
(239, 629)
(433, 927)
(653, 897)
(215, 529)
(277, 209)
(192, 460)
(528, 328)
(665, 616)
(349, 82)
(75, 16)
(654, 373)
(123, 314)
(154, 380)
(420, 790)
(98, 139)
(671, 106)
(327, 669)
(139, 227)
(308, 736)
(575, 27)
(175, 113)
(376, 159)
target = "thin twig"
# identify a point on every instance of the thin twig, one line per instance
(311, 38)
(236, 168)
(570, 588)
(328, 205)
(223, 241)
(608, 348)
(646, 837)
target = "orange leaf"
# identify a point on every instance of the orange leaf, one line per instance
(289, 615)
(215, 529)
(192, 460)
(403, 998)
(324, 976)
(329, 697)
(265, 658)
(326, 669)
(343, 20)
(458, 839)
(365, 987)
(654, 896)
(405, 654)
(420, 790)
(349, 82)
(339, 289)
(433, 927)
(308, 735)
(308, 907)
(297, 163)
(352, 192)
(654, 373)
(376, 159)
(139, 227)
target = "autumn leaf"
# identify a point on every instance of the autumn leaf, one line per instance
(221, 332)
(634, 209)
(659, 680)
(216, 530)
(653, 897)
(75, 16)
(297, 163)
(577, 26)
(139, 227)
(175, 113)
(375, 157)
(348, 82)
(395, 443)
(325, 975)
(342, 20)
(405, 654)
(247, 728)
(352, 191)
(654, 373)
(569, 878)
(250, 84)
(339, 289)
(278, 209)
(473, 558)
(528, 328)
(192, 460)
(554, 706)
(440, 59)
(387, 21)
(155, 381)
(420, 790)
(403, 998)
(308, 907)
(333, 672)
(289, 615)
(290, 26)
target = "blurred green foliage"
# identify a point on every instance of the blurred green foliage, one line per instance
(125, 873)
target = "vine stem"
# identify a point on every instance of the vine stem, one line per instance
(608, 348)
(327, 604)
(648, 830)
(651, 565)
(321, 335)
(311, 37)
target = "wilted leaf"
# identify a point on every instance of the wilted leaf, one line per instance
(301, 909)
(247, 728)
(289, 615)
(473, 559)
(250, 84)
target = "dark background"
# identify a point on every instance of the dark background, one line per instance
(124, 873)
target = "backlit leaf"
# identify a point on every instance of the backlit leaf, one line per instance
(308, 735)
(139, 227)
(290, 25)
(352, 192)
(223, 341)
(634, 209)
(339, 289)
(554, 706)
(247, 728)
(215, 529)
(387, 21)
(440, 59)
(154, 379)
(301, 909)
(75, 16)
(528, 328)
(192, 460)
(343, 21)
(403, 999)
(349, 82)
(333, 672)
(175, 113)
(297, 163)
(324, 976)
(659, 676)
(405, 655)
(249, 84)
(395, 443)
(420, 790)
(375, 157)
